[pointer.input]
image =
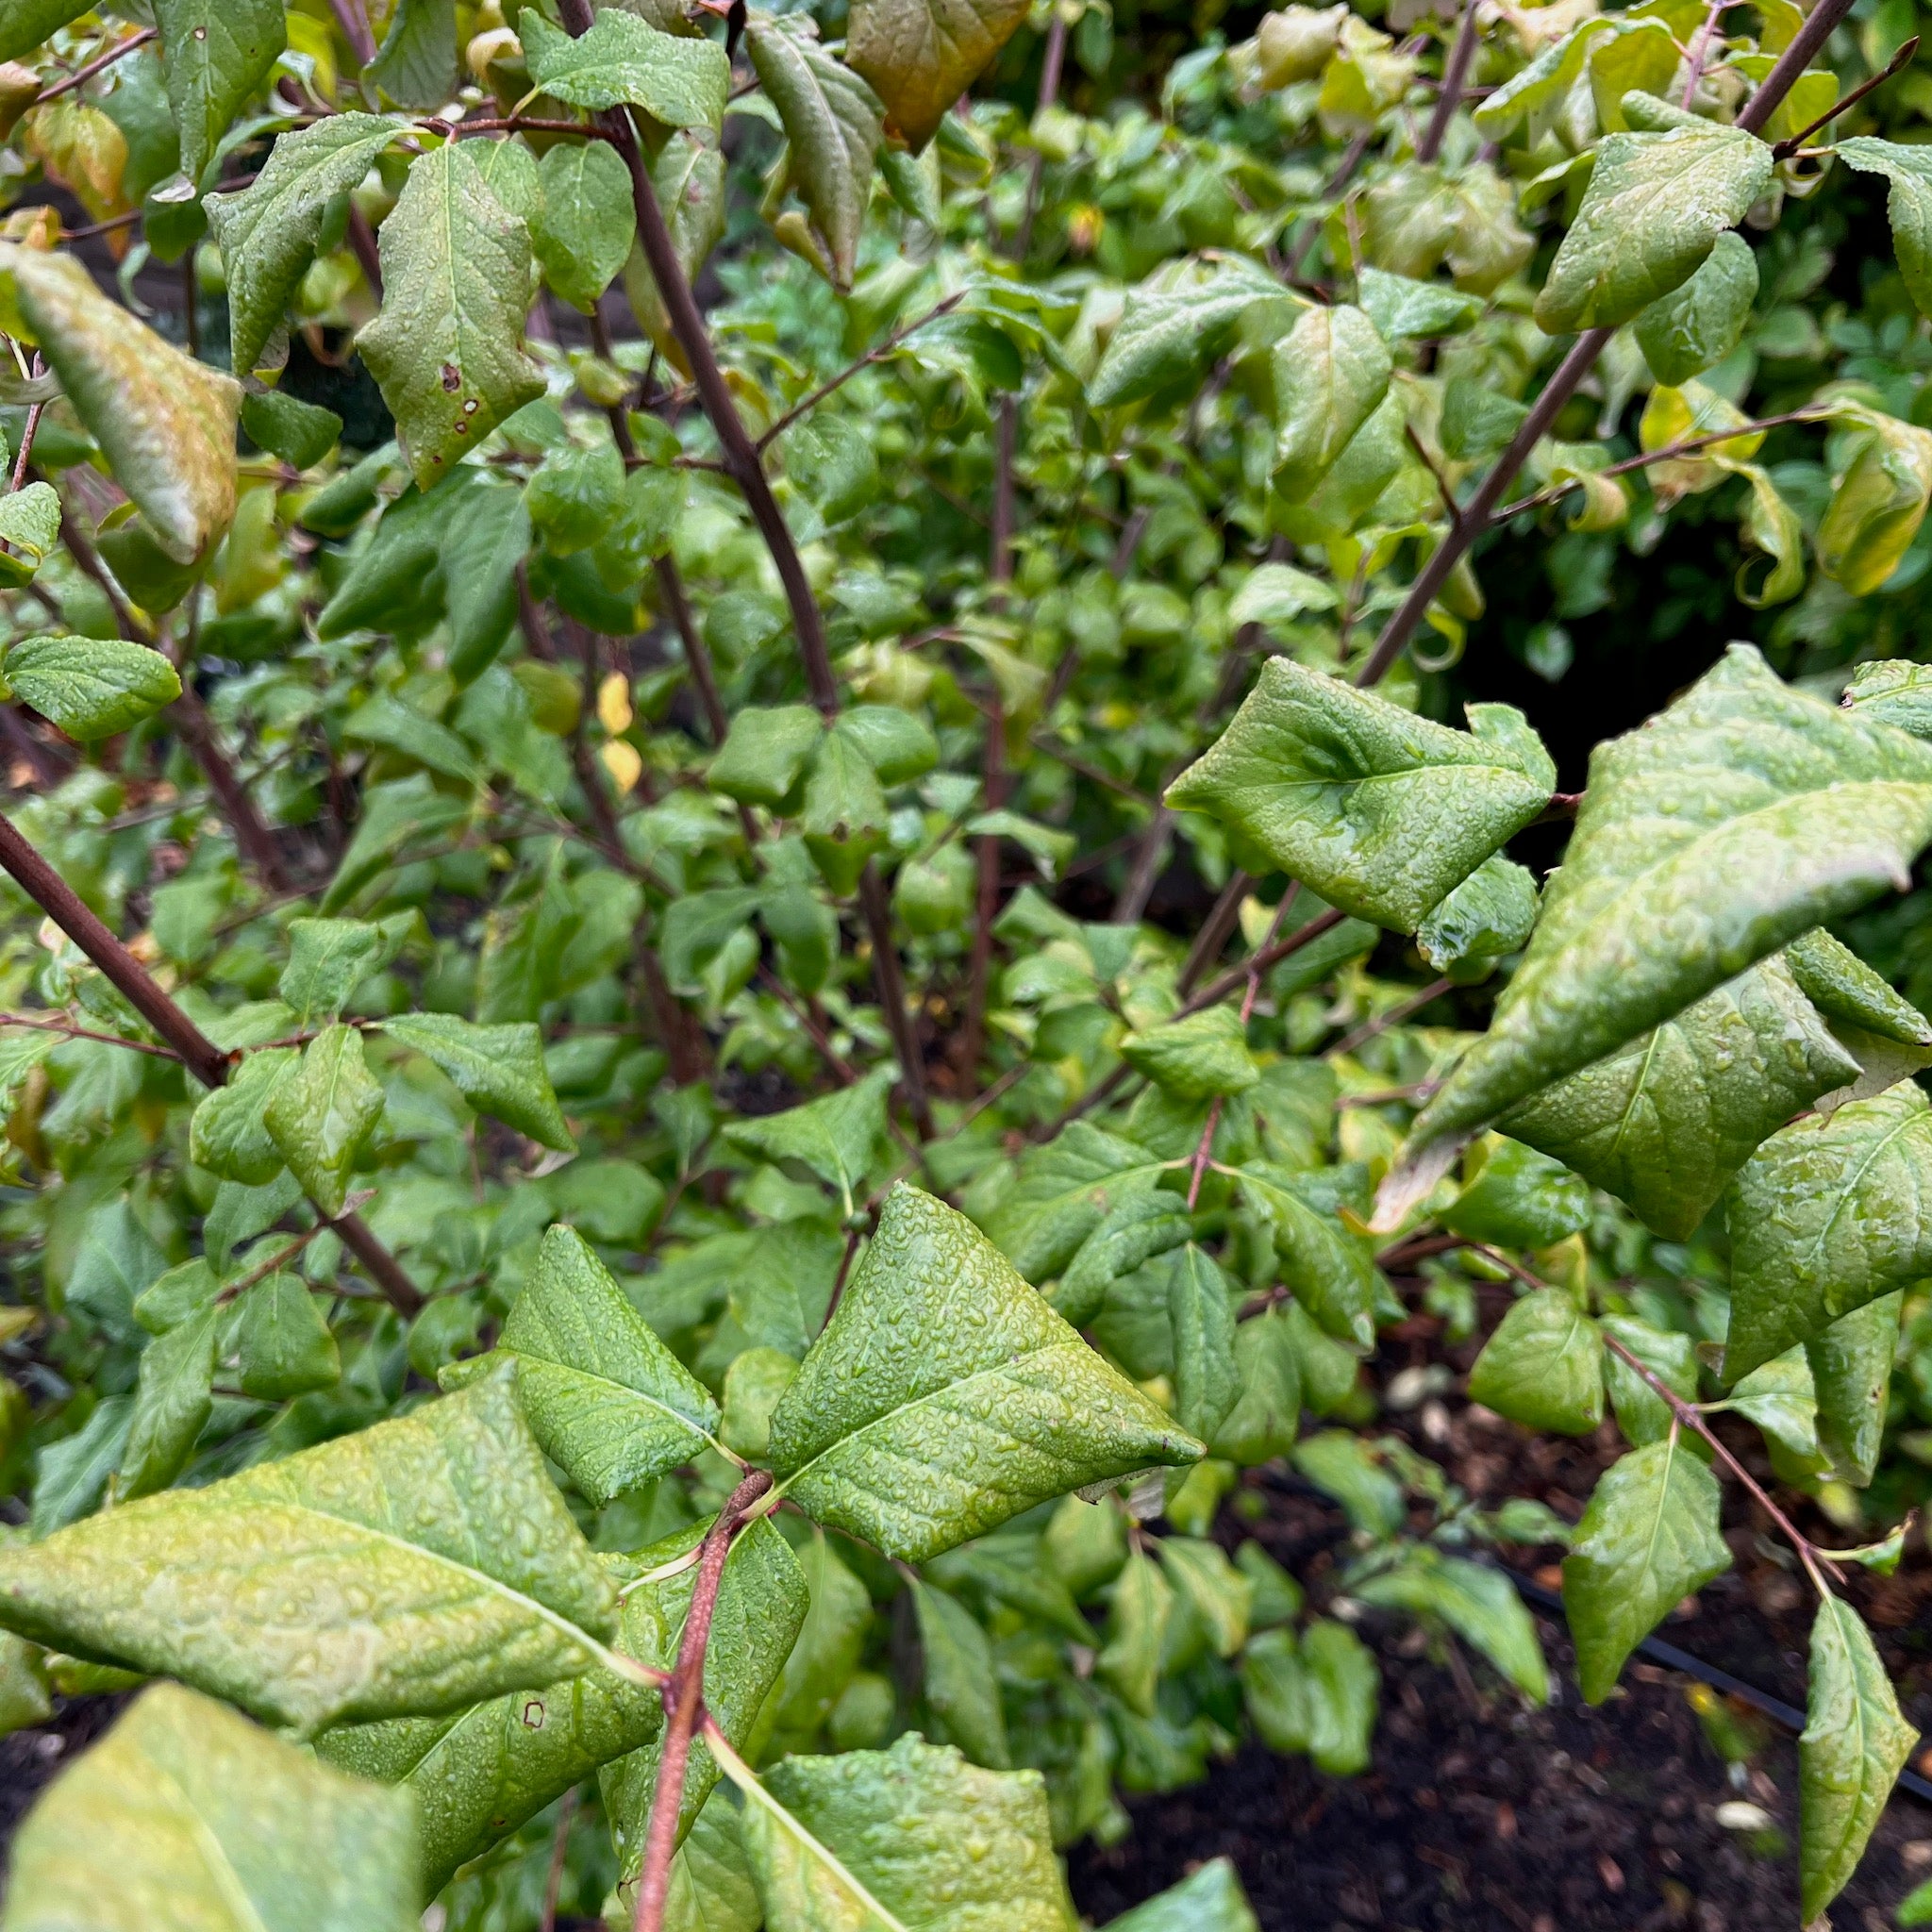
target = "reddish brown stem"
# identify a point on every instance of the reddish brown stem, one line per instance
(986, 902)
(891, 993)
(81, 76)
(1213, 934)
(1394, 1017)
(1217, 990)
(684, 1699)
(354, 22)
(1454, 73)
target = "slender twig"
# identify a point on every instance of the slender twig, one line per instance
(684, 1698)
(1454, 73)
(559, 1850)
(1345, 172)
(42, 1023)
(1217, 990)
(29, 431)
(1819, 26)
(1394, 1017)
(1435, 469)
(1074, 762)
(282, 1256)
(81, 76)
(986, 901)
(845, 375)
(1689, 445)
(583, 762)
(1688, 1415)
(1785, 149)
(354, 22)
(1700, 50)
(891, 993)
(1213, 934)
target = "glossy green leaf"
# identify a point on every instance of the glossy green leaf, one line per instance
(1331, 371)
(31, 526)
(835, 1138)
(91, 688)
(260, 1588)
(186, 1818)
(1331, 1268)
(624, 60)
(1402, 308)
(1854, 1743)
(1138, 1616)
(416, 64)
(1544, 1366)
(28, 23)
(1344, 1467)
(1826, 1216)
(172, 1402)
(1062, 1192)
(1731, 824)
(945, 1397)
(711, 1887)
(1519, 1199)
(215, 54)
(1315, 1694)
(1198, 1057)
(1846, 989)
(1667, 1119)
(612, 1406)
(1381, 812)
(1779, 1397)
(1878, 505)
(1267, 1408)
(302, 434)
(1209, 1899)
(586, 221)
(1489, 916)
(911, 1840)
(229, 1134)
(1221, 1598)
(1908, 205)
(1851, 1371)
(1476, 1602)
(321, 1112)
(1648, 1539)
(1642, 1414)
(498, 1069)
(961, 1682)
(1168, 336)
(1143, 1226)
(1207, 1379)
(834, 123)
(1653, 211)
(268, 232)
(921, 55)
(281, 1346)
(447, 348)
(1696, 325)
(327, 959)
(688, 179)
(830, 1642)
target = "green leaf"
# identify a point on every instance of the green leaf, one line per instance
(759, 1619)
(1845, 989)
(1206, 1378)
(1909, 205)
(1544, 1366)
(1479, 1604)
(1642, 1414)
(712, 1888)
(117, 1261)
(576, 495)
(1851, 1371)
(23, 1700)
(268, 232)
(610, 1403)
(844, 817)
(1826, 1217)
(1648, 1539)
(1344, 1467)
(1540, 84)
(1199, 1058)
(1854, 1743)
(498, 1069)
(28, 23)
(1731, 824)
(1219, 1596)
(834, 123)
(215, 54)
(1381, 812)
(835, 1137)
(71, 1475)
(1779, 1397)
(1331, 371)
(1402, 308)
(172, 1401)
(898, 746)
(281, 1344)
(586, 221)
(963, 1686)
(30, 526)
(1519, 1199)
(921, 55)
(765, 754)
(322, 1111)
(416, 64)
(1695, 326)
(1137, 1622)
(1653, 211)
(1317, 1696)
(1264, 1420)
(945, 1397)
(388, 721)
(186, 1818)
(1878, 505)
(228, 1134)
(624, 60)
(91, 688)
(1490, 915)
(164, 421)
(1330, 1267)
(1209, 1899)
(262, 1587)
(300, 433)
(1169, 336)
(447, 348)
(1667, 1119)
(1062, 1192)
(831, 1641)
(910, 1838)
(688, 179)
(327, 959)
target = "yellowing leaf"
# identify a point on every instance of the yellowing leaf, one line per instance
(921, 55)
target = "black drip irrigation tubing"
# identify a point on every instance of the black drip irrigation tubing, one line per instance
(1668, 1654)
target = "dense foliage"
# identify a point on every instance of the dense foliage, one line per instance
(630, 1260)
